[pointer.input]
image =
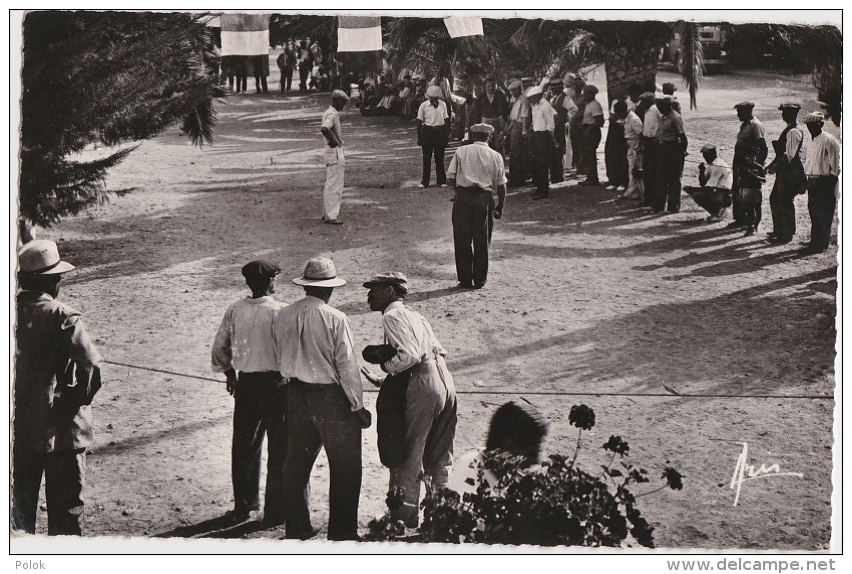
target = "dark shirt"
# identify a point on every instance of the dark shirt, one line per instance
(498, 108)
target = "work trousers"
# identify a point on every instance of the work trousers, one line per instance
(473, 222)
(260, 408)
(668, 170)
(783, 209)
(557, 165)
(430, 418)
(615, 155)
(591, 140)
(649, 170)
(319, 416)
(635, 186)
(434, 140)
(64, 478)
(332, 195)
(751, 204)
(541, 150)
(575, 135)
(518, 151)
(737, 199)
(286, 78)
(821, 206)
(304, 72)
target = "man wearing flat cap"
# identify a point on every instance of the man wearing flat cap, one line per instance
(334, 159)
(491, 107)
(822, 167)
(476, 172)
(244, 351)
(57, 373)
(325, 405)
(433, 133)
(715, 178)
(790, 178)
(670, 150)
(430, 397)
(751, 134)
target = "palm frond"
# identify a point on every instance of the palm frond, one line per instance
(692, 56)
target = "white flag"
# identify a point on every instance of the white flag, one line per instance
(359, 33)
(245, 34)
(458, 27)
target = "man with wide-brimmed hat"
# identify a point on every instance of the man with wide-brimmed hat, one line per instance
(751, 134)
(433, 133)
(430, 395)
(334, 158)
(244, 351)
(57, 373)
(325, 406)
(822, 167)
(476, 172)
(790, 179)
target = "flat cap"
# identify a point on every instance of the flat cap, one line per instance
(388, 278)
(665, 99)
(789, 106)
(339, 95)
(260, 269)
(482, 128)
(434, 92)
(590, 89)
(669, 88)
(708, 147)
(647, 96)
(534, 91)
(744, 105)
(814, 118)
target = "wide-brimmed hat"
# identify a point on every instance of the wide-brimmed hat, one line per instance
(514, 84)
(320, 272)
(482, 128)
(434, 92)
(388, 278)
(665, 99)
(260, 269)
(41, 257)
(534, 91)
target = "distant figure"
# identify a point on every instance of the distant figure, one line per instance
(57, 374)
(542, 140)
(334, 158)
(822, 166)
(593, 121)
(286, 63)
(433, 133)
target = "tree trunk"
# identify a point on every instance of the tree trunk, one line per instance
(631, 64)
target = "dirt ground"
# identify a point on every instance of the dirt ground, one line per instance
(589, 300)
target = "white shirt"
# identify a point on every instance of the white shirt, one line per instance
(411, 335)
(331, 120)
(477, 165)
(542, 116)
(520, 110)
(823, 157)
(432, 116)
(632, 126)
(719, 174)
(244, 339)
(314, 344)
(794, 138)
(591, 111)
(652, 120)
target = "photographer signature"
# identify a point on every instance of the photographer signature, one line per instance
(744, 471)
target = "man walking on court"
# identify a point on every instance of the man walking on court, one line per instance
(334, 159)
(433, 130)
(475, 173)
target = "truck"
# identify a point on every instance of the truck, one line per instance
(714, 44)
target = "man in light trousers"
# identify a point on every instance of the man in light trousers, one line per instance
(334, 159)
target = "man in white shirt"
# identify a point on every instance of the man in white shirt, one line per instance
(593, 120)
(244, 351)
(433, 131)
(518, 134)
(430, 397)
(475, 173)
(633, 138)
(650, 121)
(822, 166)
(325, 406)
(542, 140)
(334, 158)
(787, 162)
(716, 179)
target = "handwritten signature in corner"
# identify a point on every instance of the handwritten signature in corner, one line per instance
(744, 471)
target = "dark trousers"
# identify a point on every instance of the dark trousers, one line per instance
(649, 172)
(541, 150)
(783, 210)
(737, 199)
(575, 134)
(260, 84)
(669, 167)
(472, 225)
(591, 140)
(260, 408)
(518, 152)
(434, 143)
(286, 79)
(821, 205)
(751, 203)
(64, 476)
(304, 71)
(319, 416)
(557, 165)
(615, 155)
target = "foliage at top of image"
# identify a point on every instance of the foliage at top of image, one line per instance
(555, 503)
(104, 78)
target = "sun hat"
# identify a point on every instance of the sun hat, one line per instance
(320, 272)
(260, 269)
(41, 257)
(434, 92)
(514, 84)
(534, 91)
(388, 278)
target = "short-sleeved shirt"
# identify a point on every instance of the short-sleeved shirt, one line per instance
(331, 120)
(432, 116)
(477, 165)
(719, 174)
(651, 121)
(632, 126)
(592, 110)
(520, 110)
(542, 116)
(670, 127)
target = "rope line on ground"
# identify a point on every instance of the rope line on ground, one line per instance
(531, 393)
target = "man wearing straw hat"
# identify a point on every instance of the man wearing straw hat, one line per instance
(334, 160)
(57, 373)
(325, 407)
(433, 132)
(475, 173)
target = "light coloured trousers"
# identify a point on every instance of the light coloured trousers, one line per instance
(333, 192)
(635, 185)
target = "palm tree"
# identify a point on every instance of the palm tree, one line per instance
(104, 78)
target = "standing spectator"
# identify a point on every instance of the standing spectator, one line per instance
(716, 180)
(615, 149)
(633, 141)
(518, 135)
(751, 134)
(334, 158)
(306, 64)
(790, 180)
(430, 397)
(669, 89)
(57, 373)
(650, 121)
(243, 349)
(671, 149)
(491, 107)
(822, 166)
(560, 121)
(260, 64)
(286, 63)
(433, 131)
(542, 140)
(325, 406)
(475, 174)
(751, 180)
(241, 64)
(593, 120)
(572, 152)
(406, 96)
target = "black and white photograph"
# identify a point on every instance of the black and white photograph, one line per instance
(356, 281)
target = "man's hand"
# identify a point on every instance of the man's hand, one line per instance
(375, 380)
(231, 386)
(498, 211)
(365, 419)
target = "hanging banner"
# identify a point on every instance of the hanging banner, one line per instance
(359, 33)
(245, 34)
(458, 27)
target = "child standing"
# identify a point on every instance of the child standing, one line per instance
(753, 178)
